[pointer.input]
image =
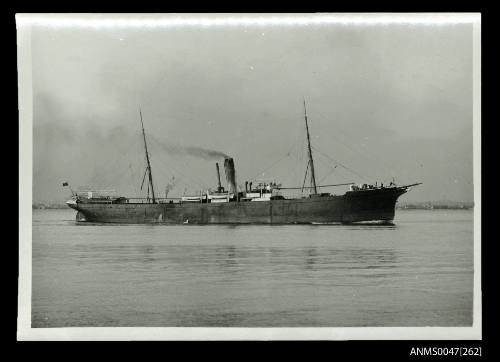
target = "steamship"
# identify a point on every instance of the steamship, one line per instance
(259, 203)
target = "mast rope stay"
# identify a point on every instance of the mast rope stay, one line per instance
(276, 162)
(305, 176)
(356, 150)
(190, 179)
(111, 166)
(147, 160)
(340, 164)
(311, 162)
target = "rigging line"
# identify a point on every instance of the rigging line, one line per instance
(107, 183)
(329, 174)
(326, 176)
(295, 143)
(191, 182)
(336, 162)
(292, 174)
(366, 156)
(295, 155)
(340, 164)
(334, 168)
(330, 168)
(185, 162)
(117, 176)
(133, 179)
(144, 178)
(299, 157)
(328, 164)
(305, 176)
(165, 176)
(274, 163)
(115, 161)
(199, 182)
(268, 168)
(183, 177)
(150, 175)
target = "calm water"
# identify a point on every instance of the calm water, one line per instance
(417, 273)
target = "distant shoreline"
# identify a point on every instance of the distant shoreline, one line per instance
(433, 208)
(43, 206)
(435, 205)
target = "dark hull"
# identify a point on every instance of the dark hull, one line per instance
(353, 206)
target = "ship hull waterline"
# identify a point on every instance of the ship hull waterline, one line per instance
(376, 205)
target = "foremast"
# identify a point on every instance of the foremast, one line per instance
(311, 162)
(148, 169)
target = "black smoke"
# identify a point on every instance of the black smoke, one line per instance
(193, 151)
(204, 153)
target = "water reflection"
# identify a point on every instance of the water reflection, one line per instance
(148, 253)
(419, 273)
(311, 255)
(272, 260)
(235, 259)
(226, 257)
(338, 259)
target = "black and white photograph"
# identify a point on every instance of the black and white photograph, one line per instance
(249, 176)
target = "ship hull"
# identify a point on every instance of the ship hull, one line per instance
(352, 207)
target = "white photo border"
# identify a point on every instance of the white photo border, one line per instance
(24, 23)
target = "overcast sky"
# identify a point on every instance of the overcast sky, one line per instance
(383, 101)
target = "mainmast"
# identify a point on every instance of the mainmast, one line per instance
(147, 159)
(311, 162)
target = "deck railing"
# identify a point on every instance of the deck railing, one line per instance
(161, 200)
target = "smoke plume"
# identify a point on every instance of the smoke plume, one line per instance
(193, 151)
(170, 186)
(204, 153)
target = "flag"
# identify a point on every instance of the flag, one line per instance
(65, 184)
